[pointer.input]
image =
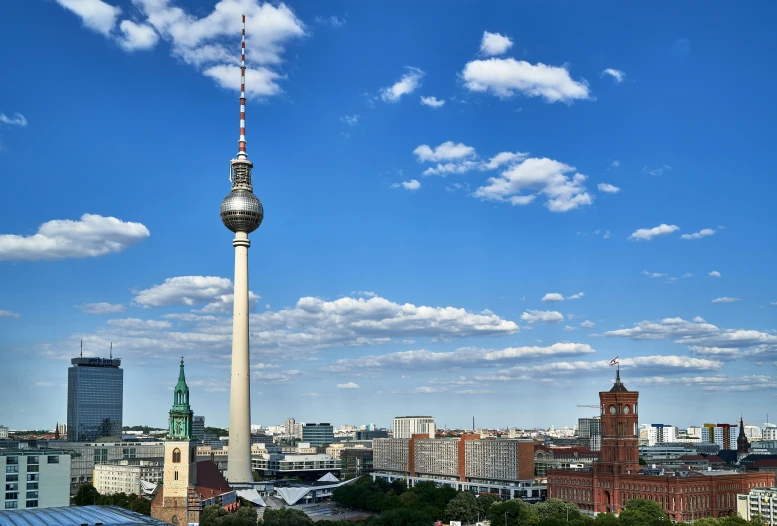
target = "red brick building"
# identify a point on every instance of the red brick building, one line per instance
(616, 477)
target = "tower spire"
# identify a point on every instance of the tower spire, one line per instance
(241, 153)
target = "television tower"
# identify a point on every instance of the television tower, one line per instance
(242, 213)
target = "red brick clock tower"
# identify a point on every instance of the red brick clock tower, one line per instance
(620, 430)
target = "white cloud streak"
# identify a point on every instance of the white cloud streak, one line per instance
(705, 232)
(616, 74)
(409, 82)
(100, 308)
(646, 234)
(432, 102)
(8, 314)
(608, 188)
(494, 44)
(545, 316)
(17, 120)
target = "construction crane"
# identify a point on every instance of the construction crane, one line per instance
(593, 406)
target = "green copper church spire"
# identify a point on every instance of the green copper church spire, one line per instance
(181, 415)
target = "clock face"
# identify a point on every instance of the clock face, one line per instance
(625, 409)
(612, 409)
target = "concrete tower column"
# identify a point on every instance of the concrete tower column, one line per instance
(239, 453)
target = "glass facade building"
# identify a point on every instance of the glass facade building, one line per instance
(318, 434)
(95, 399)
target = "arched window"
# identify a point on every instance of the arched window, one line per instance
(176, 455)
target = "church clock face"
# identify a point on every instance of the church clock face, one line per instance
(612, 409)
(625, 410)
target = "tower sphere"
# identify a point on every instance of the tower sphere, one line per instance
(241, 211)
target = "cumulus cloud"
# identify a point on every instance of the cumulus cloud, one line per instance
(546, 316)
(642, 366)
(215, 292)
(432, 102)
(138, 324)
(719, 353)
(494, 44)
(411, 185)
(409, 82)
(137, 36)
(556, 297)
(587, 324)
(705, 232)
(725, 299)
(522, 182)
(207, 42)
(616, 74)
(701, 334)
(350, 120)
(608, 188)
(506, 77)
(646, 234)
(100, 308)
(462, 357)
(333, 21)
(8, 314)
(349, 385)
(553, 297)
(17, 120)
(714, 274)
(447, 151)
(653, 274)
(91, 236)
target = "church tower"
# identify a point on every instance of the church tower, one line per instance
(180, 468)
(620, 429)
(743, 445)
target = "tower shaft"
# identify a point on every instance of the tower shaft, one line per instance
(239, 453)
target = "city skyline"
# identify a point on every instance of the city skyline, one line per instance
(466, 216)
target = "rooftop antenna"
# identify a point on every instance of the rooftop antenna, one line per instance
(82, 351)
(241, 153)
(111, 355)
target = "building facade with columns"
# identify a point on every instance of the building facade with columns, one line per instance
(616, 478)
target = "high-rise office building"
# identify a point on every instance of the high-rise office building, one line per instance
(407, 426)
(198, 427)
(318, 435)
(661, 434)
(95, 396)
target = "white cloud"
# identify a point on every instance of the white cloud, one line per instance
(700, 234)
(8, 314)
(720, 353)
(616, 74)
(725, 299)
(655, 172)
(608, 188)
(95, 14)
(44, 384)
(715, 274)
(577, 296)
(569, 328)
(462, 357)
(350, 120)
(100, 308)
(409, 82)
(543, 176)
(615, 164)
(215, 292)
(553, 297)
(700, 333)
(653, 274)
(646, 234)
(505, 77)
(587, 324)
(137, 36)
(207, 42)
(137, 324)
(546, 316)
(17, 120)
(349, 385)
(447, 151)
(607, 235)
(494, 44)
(91, 236)
(432, 102)
(411, 185)
(333, 21)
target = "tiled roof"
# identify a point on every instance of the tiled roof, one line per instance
(76, 516)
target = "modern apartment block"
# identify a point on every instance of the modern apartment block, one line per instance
(95, 392)
(198, 427)
(407, 426)
(35, 479)
(724, 435)
(498, 460)
(590, 430)
(661, 434)
(759, 502)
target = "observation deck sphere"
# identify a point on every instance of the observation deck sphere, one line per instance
(241, 211)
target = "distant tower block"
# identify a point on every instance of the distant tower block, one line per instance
(242, 213)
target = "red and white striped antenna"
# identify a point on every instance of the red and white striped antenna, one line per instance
(241, 154)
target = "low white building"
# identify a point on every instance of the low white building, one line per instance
(760, 501)
(769, 431)
(34, 479)
(407, 426)
(125, 476)
(3, 432)
(661, 434)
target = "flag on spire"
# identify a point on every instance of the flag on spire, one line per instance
(614, 361)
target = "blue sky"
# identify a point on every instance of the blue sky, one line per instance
(470, 208)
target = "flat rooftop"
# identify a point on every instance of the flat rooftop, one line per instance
(76, 516)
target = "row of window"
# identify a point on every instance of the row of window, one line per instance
(51, 459)
(15, 469)
(14, 486)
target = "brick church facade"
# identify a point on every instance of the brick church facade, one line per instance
(617, 478)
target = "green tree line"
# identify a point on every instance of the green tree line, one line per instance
(87, 495)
